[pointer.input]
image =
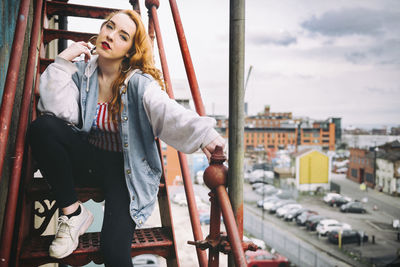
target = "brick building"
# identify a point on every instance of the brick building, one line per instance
(361, 166)
(270, 131)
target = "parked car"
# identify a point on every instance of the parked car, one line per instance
(260, 203)
(348, 236)
(286, 208)
(338, 201)
(145, 260)
(263, 258)
(268, 204)
(266, 189)
(353, 206)
(312, 222)
(329, 196)
(293, 213)
(257, 185)
(279, 204)
(301, 219)
(326, 226)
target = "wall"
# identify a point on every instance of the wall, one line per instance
(385, 175)
(9, 12)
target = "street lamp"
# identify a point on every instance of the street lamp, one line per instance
(376, 149)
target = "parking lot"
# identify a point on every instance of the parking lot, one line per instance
(376, 223)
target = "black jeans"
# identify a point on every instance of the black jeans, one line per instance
(67, 160)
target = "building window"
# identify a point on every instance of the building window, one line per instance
(165, 159)
(369, 177)
(315, 134)
(354, 173)
(306, 141)
(306, 135)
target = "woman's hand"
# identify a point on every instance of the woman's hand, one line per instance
(75, 50)
(209, 149)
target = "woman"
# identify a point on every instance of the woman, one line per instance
(110, 141)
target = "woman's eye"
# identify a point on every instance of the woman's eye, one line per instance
(109, 26)
(124, 37)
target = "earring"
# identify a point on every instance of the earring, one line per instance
(91, 45)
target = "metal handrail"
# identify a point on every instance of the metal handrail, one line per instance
(10, 85)
(222, 202)
(12, 197)
(194, 216)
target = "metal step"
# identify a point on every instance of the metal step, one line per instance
(64, 9)
(51, 34)
(39, 189)
(145, 241)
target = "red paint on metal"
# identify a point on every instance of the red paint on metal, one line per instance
(194, 86)
(215, 230)
(135, 5)
(10, 86)
(12, 197)
(215, 178)
(64, 9)
(231, 227)
(194, 216)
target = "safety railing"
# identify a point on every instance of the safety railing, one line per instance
(8, 101)
(219, 198)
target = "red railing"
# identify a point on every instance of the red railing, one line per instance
(12, 197)
(10, 85)
(219, 198)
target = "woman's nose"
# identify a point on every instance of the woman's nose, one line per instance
(110, 35)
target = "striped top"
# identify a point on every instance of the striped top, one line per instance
(104, 133)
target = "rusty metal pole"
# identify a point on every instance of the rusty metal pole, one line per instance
(10, 86)
(194, 86)
(215, 229)
(236, 111)
(215, 179)
(12, 198)
(152, 5)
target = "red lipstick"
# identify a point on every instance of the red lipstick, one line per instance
(105, 45)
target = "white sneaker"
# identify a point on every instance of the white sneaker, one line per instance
(68, 232)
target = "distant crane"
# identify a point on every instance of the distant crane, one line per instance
(245, 87)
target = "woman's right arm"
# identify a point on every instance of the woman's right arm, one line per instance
(58, 92)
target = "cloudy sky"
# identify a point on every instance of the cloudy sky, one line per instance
(311, 57)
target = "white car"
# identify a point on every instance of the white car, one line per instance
(269, 204)
(285, 209)
(325, 226)
(329, 196)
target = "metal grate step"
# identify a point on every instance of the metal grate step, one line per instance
(64, 9)
(147, 240)
(39, 189)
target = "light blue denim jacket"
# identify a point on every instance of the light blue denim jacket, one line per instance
(141, 159)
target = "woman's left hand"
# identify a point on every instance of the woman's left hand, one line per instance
(209, 149)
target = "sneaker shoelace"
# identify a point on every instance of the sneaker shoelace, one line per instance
(64, 226)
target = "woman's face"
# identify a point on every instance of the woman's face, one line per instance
(116, 37)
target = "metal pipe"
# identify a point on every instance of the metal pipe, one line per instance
(12, 197)
(235, 240)
(236, 111)
(194, 86)
(215, 229)
(10, 86)
(194, 216)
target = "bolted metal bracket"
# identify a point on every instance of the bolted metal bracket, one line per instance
(222, 244)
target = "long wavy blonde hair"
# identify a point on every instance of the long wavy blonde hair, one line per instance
(142, 58)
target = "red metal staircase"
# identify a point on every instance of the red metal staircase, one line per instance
(24, 245)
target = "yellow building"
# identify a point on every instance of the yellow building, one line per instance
(313, 170)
